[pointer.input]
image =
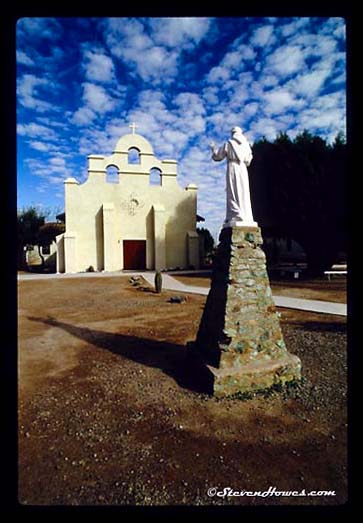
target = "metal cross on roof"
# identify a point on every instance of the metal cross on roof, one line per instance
(133, 127)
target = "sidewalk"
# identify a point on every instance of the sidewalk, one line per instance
(171, 284)
(326, 307)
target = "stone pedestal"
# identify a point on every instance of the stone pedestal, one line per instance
(239, 345)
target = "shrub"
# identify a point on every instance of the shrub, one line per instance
(158, 282)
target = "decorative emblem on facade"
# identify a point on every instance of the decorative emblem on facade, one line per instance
(132, 204)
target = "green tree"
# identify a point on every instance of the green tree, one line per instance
(47, 234)
(208, 241)
(298, 189)
(29, 222)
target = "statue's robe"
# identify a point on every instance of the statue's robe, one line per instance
(239, 155)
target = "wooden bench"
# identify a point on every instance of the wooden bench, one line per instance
(330, 273)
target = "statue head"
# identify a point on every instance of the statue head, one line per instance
(236, 130)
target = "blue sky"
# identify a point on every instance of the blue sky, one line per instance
(184, 81)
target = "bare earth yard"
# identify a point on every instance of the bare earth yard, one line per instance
(108, 413)
(319, 289)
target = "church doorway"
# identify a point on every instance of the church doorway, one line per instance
(134, 254)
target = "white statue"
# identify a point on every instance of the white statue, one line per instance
(239, 156)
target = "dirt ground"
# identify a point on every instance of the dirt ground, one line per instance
(318, 289)
(109, 415)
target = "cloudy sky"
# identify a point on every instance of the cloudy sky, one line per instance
(184, 81)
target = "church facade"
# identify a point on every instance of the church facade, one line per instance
(117, 219)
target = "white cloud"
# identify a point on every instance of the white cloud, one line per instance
(218, 74)
(309, 84)
(34, 130)
(53, 171)
(285, 60)
(96, 141)
(246, 52)
(279, 100)
(285, 94)
(232, 65)
(262, 36)
(154, 104)
(232, 59)
(155, 63)
(53, 122)
(83, 116)
(116, 128)
(314, 44)
(39, 146)
(149, 61)
(57, 161)
(28, 93)
(324, 115)
(97, 99)
(98, 67)
(269, 80)
(23, 58)
(131, 30)
(51, 147)
(335, 26)
(238, 96)
(210, 95)
(235, 61)
(194, 162)
(176, 136)
(189, 102)
(250, 109)
(340, 30)
(57, 180)
(217, 118)
(267, 127)
(152, 47)
(122, 36)
(330, 101)
(46, 28)
(45, 139)
(294, 27)
(128, 41)
(196, 166)
(179, 32)
(169, 128)
(246, 78)
(341, 78)
(332, 120)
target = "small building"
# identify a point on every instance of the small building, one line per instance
(35, 253)
(122, 218)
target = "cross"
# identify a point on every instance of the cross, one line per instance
(133, 127)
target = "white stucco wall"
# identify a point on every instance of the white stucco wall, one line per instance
(32, 257)
(100, 215)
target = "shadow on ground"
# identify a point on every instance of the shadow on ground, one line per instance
(170, 358)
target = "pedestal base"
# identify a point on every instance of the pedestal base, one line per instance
(239, 343)
(254, 376)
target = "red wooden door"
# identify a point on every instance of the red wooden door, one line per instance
(134, 254)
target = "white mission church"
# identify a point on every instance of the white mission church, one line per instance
(117, 219)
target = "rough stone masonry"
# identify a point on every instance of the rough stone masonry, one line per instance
(239, 344)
